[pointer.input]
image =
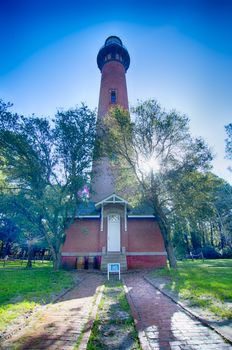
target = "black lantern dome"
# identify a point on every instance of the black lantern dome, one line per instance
(113, 50)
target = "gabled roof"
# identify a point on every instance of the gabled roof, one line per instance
(113, 198)
(87, 208)
(142, 209)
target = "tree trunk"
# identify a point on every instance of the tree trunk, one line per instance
(56, 257)
(1, 249)
(221, 234)
(171, 255)
(203, 238)
(202, 231)
(30, 256)
(167, 242)
(55, 252)
(211, 234)
(57, 261)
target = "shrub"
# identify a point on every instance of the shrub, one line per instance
(226, 253)
(210, 252)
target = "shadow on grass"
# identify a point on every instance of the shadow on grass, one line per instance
(206, 285)
(64, 313)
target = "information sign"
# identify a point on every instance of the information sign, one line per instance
(113, 268)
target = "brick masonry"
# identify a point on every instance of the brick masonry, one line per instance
(113, 77)
(138, 262)
(142, 235)
(83, 236)
(163, 325)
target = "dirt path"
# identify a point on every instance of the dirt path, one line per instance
(164, 325)
(61, 324)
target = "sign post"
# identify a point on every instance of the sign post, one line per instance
(114, 268)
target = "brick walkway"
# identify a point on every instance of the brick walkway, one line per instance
(60, 325)
(163, 325)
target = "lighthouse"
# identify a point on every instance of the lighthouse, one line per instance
(113, 60)
(107, 229)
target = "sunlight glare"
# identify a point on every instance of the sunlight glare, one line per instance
(146, 165)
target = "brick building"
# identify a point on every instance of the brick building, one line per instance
(108, 229)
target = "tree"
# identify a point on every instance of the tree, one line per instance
(158, 148)
(8, 233)
(229, 141)
(47, 164)
(223, 204)
(203, 216)
(20, 213)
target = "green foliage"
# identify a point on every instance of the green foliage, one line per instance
(45, 168)
(229, 141)
(157, 148)
(202, 217)
(163, 165)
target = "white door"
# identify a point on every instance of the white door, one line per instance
(114, 233)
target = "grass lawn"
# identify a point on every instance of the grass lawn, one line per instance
(21, 290)
(10, 264)
(206, 284)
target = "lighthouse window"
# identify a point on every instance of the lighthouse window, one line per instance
(109, 56)
(113, 96)
(117, 56)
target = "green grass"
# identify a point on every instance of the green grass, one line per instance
(10, 264)
(120, 297)
(94, 336)
(21, 290)
(206, 284)
(123, 326)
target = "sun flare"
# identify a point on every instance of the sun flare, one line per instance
(146, 165)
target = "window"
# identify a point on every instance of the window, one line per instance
(114, 218)
(113, 96)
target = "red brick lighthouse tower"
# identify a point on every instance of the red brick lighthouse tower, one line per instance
(113, 61)
(107, 229)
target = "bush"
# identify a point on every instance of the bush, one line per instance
(210, 252)
(180, 252)
(226, 253)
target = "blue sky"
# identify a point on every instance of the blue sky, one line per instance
(181, 54)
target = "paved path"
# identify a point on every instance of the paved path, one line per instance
(164, 325)
(60, 325)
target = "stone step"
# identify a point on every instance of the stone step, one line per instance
(114, 257)
(122, 265)
(113, 260)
